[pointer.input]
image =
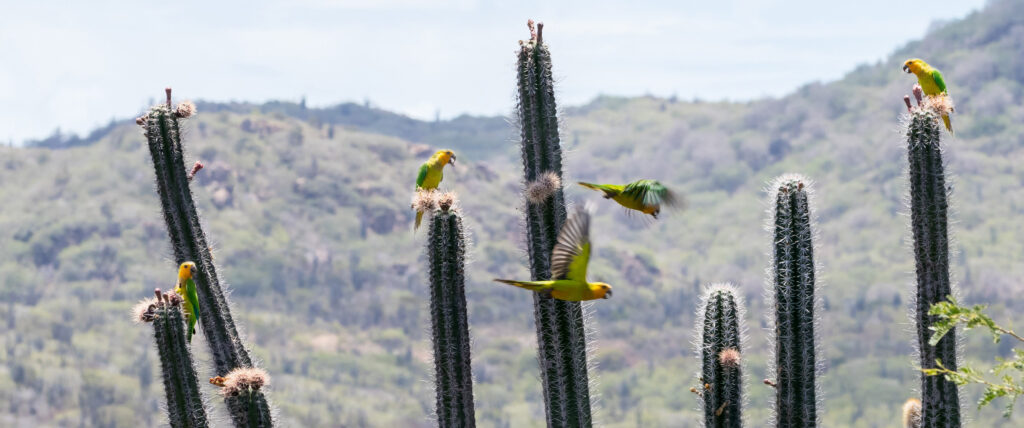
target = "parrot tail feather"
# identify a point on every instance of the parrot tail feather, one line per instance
(532, 286)
(949, 125)
(190, 327)
(608, 193)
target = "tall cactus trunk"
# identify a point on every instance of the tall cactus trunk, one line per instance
(720, 351)
(928, 217)
(185, 408)
(793, 291)
(453, 375)
(561, 334)
(189, 243)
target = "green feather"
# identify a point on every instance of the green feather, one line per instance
(649, 192)
(937, 76)
(422, 175)
(191, 307)
(609, 190)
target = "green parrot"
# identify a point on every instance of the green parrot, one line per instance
(430, 175)
(931, 82)
(186, 288)
(569, 260)
(646, 196)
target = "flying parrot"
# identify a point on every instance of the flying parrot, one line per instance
(569, 261)
(646, 196)
(931, 82)
(431, 173)
(186, 288)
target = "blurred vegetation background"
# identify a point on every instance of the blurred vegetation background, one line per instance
(309, 209)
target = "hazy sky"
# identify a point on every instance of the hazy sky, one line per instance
(76, 65)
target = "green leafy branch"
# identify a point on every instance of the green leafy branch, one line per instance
(950, 314)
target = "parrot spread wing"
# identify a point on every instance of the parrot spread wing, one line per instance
(650, 193)
(422, 175)
(571, 254)
(937, 77)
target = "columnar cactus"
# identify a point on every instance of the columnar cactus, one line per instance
(720, 318)
(928, 218)
(453, 375)
(561, 334)
(241, 387)
(188, 242)
(793, 292)
(185, 407)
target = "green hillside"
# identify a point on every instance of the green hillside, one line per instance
(309, 213)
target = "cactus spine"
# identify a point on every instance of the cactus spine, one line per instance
(928, 218)
(793, 292)
(241, 388)
(912, 413)
(721, 380)
(561, 335)
(453, 375)
(189, 243)
(181, 382)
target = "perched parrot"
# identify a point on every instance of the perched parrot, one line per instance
(431, 173)
(186, 288)
(931, 82)
(569, 261)
(646, 196)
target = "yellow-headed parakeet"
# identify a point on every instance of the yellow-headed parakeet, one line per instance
(186, 288)
(430, 175)
(931, 82)
(569, 261)
(646, 196)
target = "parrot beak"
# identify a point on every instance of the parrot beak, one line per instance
(608, 294)
(452, 161)
(906, 69)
